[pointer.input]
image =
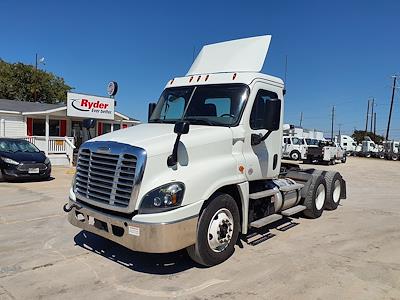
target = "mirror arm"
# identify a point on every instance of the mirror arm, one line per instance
(173, 158)
(256, 139)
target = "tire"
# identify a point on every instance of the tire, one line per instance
(315, 196)
(368, 155)
(344, 159)
(381, 156)
(295, 155)
(333, 189)
(208, 251)
(395, 157)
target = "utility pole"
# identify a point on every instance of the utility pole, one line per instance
(372, 113)
(301, 119)
(366, 123)
(375, 124)
(391, 106)
(333, 117)
(35, 84)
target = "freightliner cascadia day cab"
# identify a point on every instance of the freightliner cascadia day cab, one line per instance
(206, 168)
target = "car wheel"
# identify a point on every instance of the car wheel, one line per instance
(217, 231)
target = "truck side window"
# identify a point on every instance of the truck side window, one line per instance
(257, 112)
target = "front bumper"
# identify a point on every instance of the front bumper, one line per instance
(137, 236)
(22, 171)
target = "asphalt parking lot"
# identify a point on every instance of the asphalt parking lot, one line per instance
(350, 253)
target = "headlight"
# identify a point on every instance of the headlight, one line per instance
(163, 198)
(9, 161)
(46, 161)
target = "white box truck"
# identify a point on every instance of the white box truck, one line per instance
(206, 168)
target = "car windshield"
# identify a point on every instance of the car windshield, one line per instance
(215, 105)
(17, 146)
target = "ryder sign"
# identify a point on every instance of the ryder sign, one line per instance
(86, 106)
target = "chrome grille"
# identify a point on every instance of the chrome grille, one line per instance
(105, 178)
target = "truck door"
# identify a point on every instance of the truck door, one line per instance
(263, 160)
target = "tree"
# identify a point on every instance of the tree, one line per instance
(19, 81)
(358, 136)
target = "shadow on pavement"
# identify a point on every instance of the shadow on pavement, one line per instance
(162, 264)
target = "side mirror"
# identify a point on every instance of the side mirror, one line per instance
(89, 123)
(181, 127)
(272, 114)
(152, 106)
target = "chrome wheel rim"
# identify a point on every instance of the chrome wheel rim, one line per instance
(220, 230)
(320, 197)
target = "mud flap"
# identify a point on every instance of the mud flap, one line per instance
(343, 194)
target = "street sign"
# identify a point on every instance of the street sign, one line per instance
(112, 88)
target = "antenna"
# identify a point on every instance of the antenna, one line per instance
(285, 69)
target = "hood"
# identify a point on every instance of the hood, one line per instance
(38, 157)
(158, 138)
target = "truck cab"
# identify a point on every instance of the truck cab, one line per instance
(294, 148)
(204, 169)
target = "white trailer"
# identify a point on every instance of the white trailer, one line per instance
(206, 168)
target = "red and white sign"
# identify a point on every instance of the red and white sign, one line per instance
(88, 106)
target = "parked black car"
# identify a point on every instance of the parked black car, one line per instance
(22, 159)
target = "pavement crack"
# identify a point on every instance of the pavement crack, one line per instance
(42, 266)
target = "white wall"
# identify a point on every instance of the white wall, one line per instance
(12, 125)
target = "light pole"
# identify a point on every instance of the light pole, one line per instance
(40, 61)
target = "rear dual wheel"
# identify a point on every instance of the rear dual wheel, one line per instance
(314, 200)
(333, 182)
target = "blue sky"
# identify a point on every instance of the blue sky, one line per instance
(339, 52)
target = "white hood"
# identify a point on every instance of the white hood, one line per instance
(158, 138)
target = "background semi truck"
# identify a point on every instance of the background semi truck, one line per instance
(206, 169)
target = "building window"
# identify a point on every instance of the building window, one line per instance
(39, 127)
(106, 128)
(117, 127)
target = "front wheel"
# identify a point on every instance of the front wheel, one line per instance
(295, 155)
(217, 231)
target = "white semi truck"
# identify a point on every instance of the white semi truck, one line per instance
(294, 148)
(205, 170)
(347, 143)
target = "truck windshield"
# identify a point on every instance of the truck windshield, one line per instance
(297, 141)
(215, 105)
